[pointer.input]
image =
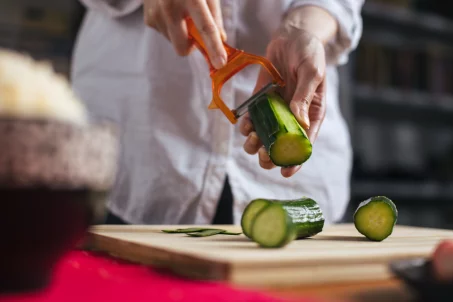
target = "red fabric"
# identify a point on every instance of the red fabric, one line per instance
(85, 277)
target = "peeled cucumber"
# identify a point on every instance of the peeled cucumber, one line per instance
(285, 140)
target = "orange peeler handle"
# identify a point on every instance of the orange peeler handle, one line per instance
(236, 61)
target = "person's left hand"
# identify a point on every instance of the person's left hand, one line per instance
(299, 56)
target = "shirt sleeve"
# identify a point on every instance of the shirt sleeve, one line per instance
(113, 8)
(349, 18)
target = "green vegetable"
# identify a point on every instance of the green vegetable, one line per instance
(230, 233)
(206, 233)
(188, 230)
(249, 213)
(306, 215)
(375, 218)
(285, 140)
(200, 232)
(272, 227)
(275, 223)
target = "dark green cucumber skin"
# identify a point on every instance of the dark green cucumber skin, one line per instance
(305, 214)
(266, 125)
(264, 121)
(290, 227)
(370, 200)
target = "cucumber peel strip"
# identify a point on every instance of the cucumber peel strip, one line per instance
(200, 232)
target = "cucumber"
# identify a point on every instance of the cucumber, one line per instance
(273, 227)
(304, 215)
(249, 214)
(200, 232)
(376, 217)
(206, 233)
(285, 140)
(188, 230)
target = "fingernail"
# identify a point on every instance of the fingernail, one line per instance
(307, 120)
(288, 172)
(219, 62)
(250, 143)
(263, 155)
(253, 139)
(248, 127)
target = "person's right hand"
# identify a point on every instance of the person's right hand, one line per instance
(168, 17)
(442, 260)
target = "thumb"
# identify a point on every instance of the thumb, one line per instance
(306, 86)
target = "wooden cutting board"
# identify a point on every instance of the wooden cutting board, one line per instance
(338, 254)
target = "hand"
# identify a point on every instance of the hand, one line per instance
(167, 17)
(442, 260)
(299, 56)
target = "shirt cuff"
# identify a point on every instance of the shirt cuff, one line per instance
(349, 19)
(113, 8)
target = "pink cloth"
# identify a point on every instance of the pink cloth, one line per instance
(90, 277)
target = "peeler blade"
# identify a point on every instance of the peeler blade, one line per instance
(243, 108)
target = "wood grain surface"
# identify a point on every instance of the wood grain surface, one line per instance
(338, 255)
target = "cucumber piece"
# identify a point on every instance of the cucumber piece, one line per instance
(376, 217)
(306, 215)
(188, 230)
(272, 227)
(206, 233)
(249, 214)
(200, 232)
(285, 140)
(304, 212)
(230, 233)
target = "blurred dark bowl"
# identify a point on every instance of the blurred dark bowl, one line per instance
(54, 180)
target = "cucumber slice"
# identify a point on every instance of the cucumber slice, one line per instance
(272, 227)
(376, 217)
(249, 214)
(285, 140)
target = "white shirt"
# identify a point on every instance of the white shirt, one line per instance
(175, 152)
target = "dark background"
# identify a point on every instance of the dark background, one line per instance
(396, 94)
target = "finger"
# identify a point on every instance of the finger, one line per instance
(149, 13)
(246, 125)
(263, 79)
(154, 19)
(308, 80)
(252, 144)
(264, 159)
(290, 171)
(214, 7)
(317, 113)
(442, 260)
(210, 34)
(176, 27)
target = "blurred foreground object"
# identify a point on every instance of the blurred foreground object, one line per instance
(56, 168)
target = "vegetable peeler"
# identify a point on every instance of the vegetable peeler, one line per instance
(236, 61)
